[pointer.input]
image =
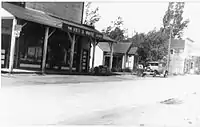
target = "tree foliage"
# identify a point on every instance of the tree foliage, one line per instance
(91, 16)
(173, 19)
(115, 30)
(151, 46)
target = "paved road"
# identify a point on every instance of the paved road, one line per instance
(128, 102)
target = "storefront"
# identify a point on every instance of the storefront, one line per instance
(45, 42)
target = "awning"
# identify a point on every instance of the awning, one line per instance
(43, 18)
(31, 15)
(107, 39)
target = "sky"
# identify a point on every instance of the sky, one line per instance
(146, 16)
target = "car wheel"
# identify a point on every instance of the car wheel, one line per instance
(166, 74)
(154, 74)
(143, 74)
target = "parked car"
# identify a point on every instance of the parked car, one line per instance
(155, 68)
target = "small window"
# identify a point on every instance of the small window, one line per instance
(181, 50)
(172, 51)
(191, 66)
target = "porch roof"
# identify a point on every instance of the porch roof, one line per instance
(104, 46)
(121, 47)
(107, 39)
(33, 16)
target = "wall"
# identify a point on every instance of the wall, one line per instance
(177, 63)
(98, 56)
(71, 11)
(130, 62)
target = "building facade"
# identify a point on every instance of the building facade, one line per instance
(183, 56)
(123, 55)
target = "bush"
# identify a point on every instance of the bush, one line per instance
(96, 70)
(101, 70)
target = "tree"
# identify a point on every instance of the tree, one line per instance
(173, 19)
(91, 16)
(115, 30)
(157, 44)
(151, 46)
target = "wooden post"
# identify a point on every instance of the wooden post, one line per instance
(111, 55)
(72, 53)
(17, 47)
(80, 64)
(103, 61)
(93, 54)
(17, 52)
(12, 46)
(117, 61)
(45, 49)
(125, 56)
(169, 47)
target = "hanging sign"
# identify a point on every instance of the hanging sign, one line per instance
(18, 27)
(17, 30)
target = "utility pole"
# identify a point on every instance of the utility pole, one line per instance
(169, 48)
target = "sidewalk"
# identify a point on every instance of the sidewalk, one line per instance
(34, 79)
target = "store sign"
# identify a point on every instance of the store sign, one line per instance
(82, 32)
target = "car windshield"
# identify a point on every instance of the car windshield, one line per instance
(153, 64)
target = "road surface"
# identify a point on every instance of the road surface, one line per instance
(128, 102)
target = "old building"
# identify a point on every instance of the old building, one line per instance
(182, 57)
(123, 55)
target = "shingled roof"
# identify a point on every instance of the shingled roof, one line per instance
(132, 50)
(104, 46)
(121, 47)
(177, 44)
